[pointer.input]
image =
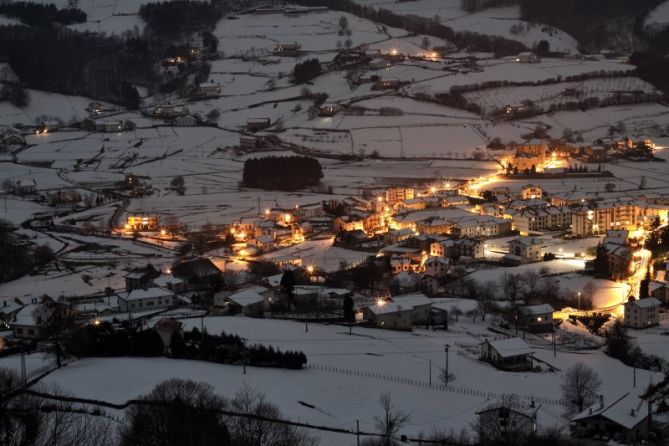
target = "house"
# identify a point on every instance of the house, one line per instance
(249, 301)
(527, 57)
(524, 250)
(140, 277)
(145, 299)
(387, 84)
(642, 313)
(399, 264)
(406, 281)
(286, 49)
(168, 111)
(211, 90)
(28, 322)
(659, 290)
(8, 308)
(436, 266)
(26, 187)
(102, 125)
(328, 110)
(198, 273)
(430, 285)
(420, 304)
(48, 126)
(255, 124)
(390, 315)
(530, 192)
(623, 419)
(536, 318)
(173, 284)
(11, 138)
(468, 247)
(511, 354)
(166, 328)
(250, 142)
(184, 121)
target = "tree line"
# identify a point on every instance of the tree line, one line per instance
(103, 340)
(422, 25)
(19, 257)
(75, 63)
(282, 172)
(173, 18)
(40, 14)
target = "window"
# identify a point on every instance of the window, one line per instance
(31, 331)
(19, 330)
(132, 306)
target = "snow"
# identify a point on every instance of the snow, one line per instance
(658, 18)
(508, 348)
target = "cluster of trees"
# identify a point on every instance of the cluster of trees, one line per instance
(15, 94)
(282, 172)
(425, 26)
(231, 349)
(479, 5)
(658, 238)
(601, 267)
(18, 256)
(590, 21)
(173, 18)
(652, 66)
(74, 63)
(41, 15)
(307, 70)
(106, 341)
(621, 346)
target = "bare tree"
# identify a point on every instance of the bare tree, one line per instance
(391, 419)
(254, 431)
(504, 422)
(532, 281)
(511, 285)
(579, 387)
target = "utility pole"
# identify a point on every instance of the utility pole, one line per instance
(357, 430)
(634, 372)
(430, 371)
(446, 376)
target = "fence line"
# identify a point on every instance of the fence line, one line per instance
(426, 385)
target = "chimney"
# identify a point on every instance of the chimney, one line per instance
(632, 412)
(601, 402)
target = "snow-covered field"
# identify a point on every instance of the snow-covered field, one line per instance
(341, 398)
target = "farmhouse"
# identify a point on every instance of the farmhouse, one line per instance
(511, 354)
(286, 49)
(391, 315)
(27, 322)
(248, 301)
(26, 187)
(198, 273)
(386, 84)
(142, 222)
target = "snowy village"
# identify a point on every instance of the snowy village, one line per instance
(334, 222)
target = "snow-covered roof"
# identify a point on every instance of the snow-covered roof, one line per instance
(527, 241)
(510, 347)
(648, 302)
(536, 309)
(149, 293)
(247, 296)
(627, 411)
(26, 315)
(389, 307)
(412, 300)
(164, 281)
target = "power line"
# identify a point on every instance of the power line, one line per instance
(154, 403)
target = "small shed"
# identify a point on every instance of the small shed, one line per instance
(511, 354)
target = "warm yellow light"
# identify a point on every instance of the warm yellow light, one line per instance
(393, 52)
(287, 217)
(96, 322)
(433, 189)
(242, 235)
(266, 211)
(380, 302)
(379, 198)
(163, 232)
(310, 269)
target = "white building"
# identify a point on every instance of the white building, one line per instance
(524, 250)
(145, 299)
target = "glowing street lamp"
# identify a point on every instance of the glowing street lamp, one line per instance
(310, 269)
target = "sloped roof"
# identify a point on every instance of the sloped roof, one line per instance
(647, 302)
(619, 411)
(510, 347)
(149, 293)
(536, 309)
(412, 300)
(389, 307)
(247, 296)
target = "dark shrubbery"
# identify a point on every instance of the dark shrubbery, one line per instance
(104, 340)
(307, 70)
(42, 15)
(181, 16)
(282, 173)
(86, 64)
